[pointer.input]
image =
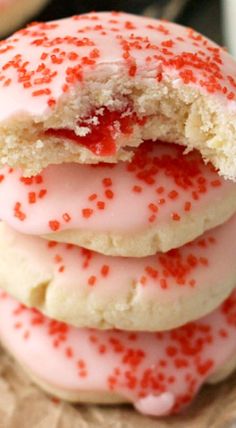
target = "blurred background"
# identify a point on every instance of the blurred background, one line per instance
(203, 15)
(214, 18)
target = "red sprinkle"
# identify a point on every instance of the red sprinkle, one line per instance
(105, 270)
(31, 197)
(101, 205)
(87, 212)
(42, 193)
(54, 225)
(109, 194)
(66, 217)
(92, 280)
(175, 216)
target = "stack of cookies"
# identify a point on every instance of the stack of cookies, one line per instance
(118, 202)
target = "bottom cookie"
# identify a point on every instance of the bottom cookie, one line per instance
(160, 373)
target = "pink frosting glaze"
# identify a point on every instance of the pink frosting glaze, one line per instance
(39, 64)
(159, 373)
(204, 267)
(158, 187)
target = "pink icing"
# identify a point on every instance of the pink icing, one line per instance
(158, 187)
(205, 266)
(39, 64)
(159, 373)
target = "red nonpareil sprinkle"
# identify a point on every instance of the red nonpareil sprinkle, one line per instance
(211, 239)
(92, 197)
(101, 205)
(171, 351)
(203, 261)
(40, 92)
(195, 195)
(168, 43)
(92, 280)
(143, 280)
(109, 194)
(102, 349)
(26, 180)
(58, 258)
(187, 206)
(7, 82)
(163, 283)
(204, 368)
(152, 272)
(202, 243)
(1, 177)
(192, 260)
(66, 217)
(18, 213)
(160, 189)
(69, 352)
(55, 400)
(87, 212)
(54, 225)
(175, 216)
(73, 56)
(216, 183)
(223, 333)
(152, 218)
(51, 102)
(173, 194)
(137, 189)
(52, 244)
(69, 246)
(65, 88)
(38, 179)
(231, 96)
(31, 197)
(132, 70)
(42, 193)
(61, 269)
(153, 208)
(105, 270)
(107, 182)
(83, 373)
(81, 364)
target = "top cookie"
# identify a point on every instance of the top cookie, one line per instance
(90, 87)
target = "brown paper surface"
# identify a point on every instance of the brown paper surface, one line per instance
(23, 405)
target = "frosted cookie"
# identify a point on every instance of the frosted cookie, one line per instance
(86, 289)
(90, 88)
(159, 373)
(14, 13)
(160, 200)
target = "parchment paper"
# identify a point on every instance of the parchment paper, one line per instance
(23, 405)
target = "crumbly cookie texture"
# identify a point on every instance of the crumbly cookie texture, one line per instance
(90, 88)
(14, 13)
(158, 201)
(159, 373)
(87, 289)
